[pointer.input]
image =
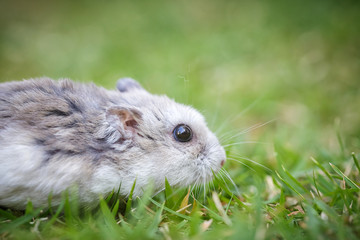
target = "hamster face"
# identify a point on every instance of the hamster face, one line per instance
(174, 140)
(192, 159)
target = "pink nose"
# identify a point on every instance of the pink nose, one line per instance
(222, 162)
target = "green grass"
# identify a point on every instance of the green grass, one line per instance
(321, 204)
(243, 64)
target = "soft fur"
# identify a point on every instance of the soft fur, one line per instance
(59, 134)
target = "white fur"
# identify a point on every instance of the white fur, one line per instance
(23, 175)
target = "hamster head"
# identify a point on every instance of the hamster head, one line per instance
(163, 139)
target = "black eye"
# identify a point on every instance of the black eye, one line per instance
(182, 133)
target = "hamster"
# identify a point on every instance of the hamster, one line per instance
(59, 134)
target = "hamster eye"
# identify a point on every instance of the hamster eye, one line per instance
(182, 133)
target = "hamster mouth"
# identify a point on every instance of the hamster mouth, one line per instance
(205, 170)
(204, 178)
(209, 162)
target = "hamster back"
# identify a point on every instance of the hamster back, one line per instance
(55, 135)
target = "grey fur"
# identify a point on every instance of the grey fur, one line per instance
(127, 84)
(59, 134)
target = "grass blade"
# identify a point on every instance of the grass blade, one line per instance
(322, 169)
(347, 180)
(169, 210)
(129, 201)
(19, 221)
(168, 194)
(185, 202)
(289, 185)
(7, 215)
(221, 210)
(294, 179)
(115, 208)
(355, 161)
(54, 217)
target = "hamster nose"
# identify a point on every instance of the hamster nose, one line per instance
(222, 162)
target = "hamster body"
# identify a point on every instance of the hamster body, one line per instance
(59, 134)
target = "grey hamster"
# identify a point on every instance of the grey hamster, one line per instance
(57, 134)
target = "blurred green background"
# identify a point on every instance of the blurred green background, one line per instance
(294, 61)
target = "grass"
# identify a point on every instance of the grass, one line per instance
(322, 204)
(291, 66)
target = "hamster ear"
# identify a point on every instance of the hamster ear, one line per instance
(124, 119)
(127, 84)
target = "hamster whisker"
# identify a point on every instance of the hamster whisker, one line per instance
(224, 123)
(229, 134)
(157, 192)
(212, 184)
(227, 175)
(204, 191)
(222, 174)
(226, 134)
(249, 129)
(204, 183)
(237, 160)
(250, 160)
(197, 184)
(193, 187)
(234, 117)
(244, 142)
